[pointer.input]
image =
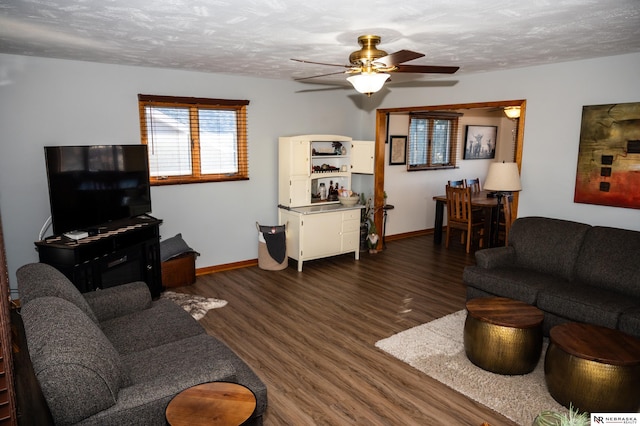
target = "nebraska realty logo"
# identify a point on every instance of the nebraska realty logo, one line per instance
(615, 418)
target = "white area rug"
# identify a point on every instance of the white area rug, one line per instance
(437, 349)
(196, 305)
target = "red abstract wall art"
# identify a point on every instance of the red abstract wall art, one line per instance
(609, 156)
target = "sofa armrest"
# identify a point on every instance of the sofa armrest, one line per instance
(496, 257)
(120, 300)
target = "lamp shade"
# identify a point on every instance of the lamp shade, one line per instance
(503, 177)
(368, 82)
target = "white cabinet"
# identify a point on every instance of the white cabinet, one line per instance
(362, 157)
(321, 231)
(308, 162)
(319, 227)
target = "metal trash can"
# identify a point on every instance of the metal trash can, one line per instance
(272, 247)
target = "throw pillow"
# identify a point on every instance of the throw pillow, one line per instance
(174, 246)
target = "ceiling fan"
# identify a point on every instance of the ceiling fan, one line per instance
(370, 67)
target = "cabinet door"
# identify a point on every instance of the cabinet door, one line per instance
(321, 234)
(292, 222)
(299, 191)
(300, 158)
(362, 156)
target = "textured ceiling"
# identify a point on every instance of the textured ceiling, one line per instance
(258, 37)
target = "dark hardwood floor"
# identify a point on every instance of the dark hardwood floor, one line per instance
(310, 336)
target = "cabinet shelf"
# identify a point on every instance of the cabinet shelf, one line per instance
(319, 201)
(323, 156)
(316, 175)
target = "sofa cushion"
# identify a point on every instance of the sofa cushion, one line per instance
(584, 303)
(39, 280)
(124, 299)
(158, 374)
(163, 323)
(547, 245)
(610, 258)
(79, 371)
(197, 359)
(514, 283)
(186, 362)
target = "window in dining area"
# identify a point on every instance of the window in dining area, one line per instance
(432, 141)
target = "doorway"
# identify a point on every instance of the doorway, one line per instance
(382, 135)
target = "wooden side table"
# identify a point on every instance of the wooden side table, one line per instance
(215, 403)
(502, 335)
(596, 369)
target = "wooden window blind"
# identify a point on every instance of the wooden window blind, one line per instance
(194, 139)
(433, 140)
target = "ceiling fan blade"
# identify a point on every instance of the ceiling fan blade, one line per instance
(399, 57)
(320, 63)
(325, 89)
(426, 69)
(319, 75)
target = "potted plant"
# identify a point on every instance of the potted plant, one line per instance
(366, 221)
(553, 418)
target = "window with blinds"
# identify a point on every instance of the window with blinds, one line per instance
(432, 141)
(194, 139)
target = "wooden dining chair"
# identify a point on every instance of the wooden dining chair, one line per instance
(461, 217)
(458, 184)
(505, 219)
(474, 184)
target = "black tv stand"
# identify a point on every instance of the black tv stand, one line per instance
(116, 253)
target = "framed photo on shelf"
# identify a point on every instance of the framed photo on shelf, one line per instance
(480, 142)
(397, 150)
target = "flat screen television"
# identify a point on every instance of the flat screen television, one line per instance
(92, 185)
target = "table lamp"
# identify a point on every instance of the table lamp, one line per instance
(502, 178)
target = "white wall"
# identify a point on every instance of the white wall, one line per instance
(55, 102)
(555, 96)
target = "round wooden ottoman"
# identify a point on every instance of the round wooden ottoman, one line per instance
(596, 369)
(215, 403)
(502, 335)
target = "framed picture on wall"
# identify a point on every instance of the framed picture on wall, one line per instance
(480, 142)
(397, 150)
(609, 156)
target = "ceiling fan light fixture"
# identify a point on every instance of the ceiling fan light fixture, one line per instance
(368, 83)
(512, 112)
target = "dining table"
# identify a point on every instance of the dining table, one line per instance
(484, 200)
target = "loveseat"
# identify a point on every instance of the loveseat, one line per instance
(571, 271)
(114, 356)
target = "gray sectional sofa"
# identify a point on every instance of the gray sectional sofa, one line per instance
(572, 271)
(114, 356)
